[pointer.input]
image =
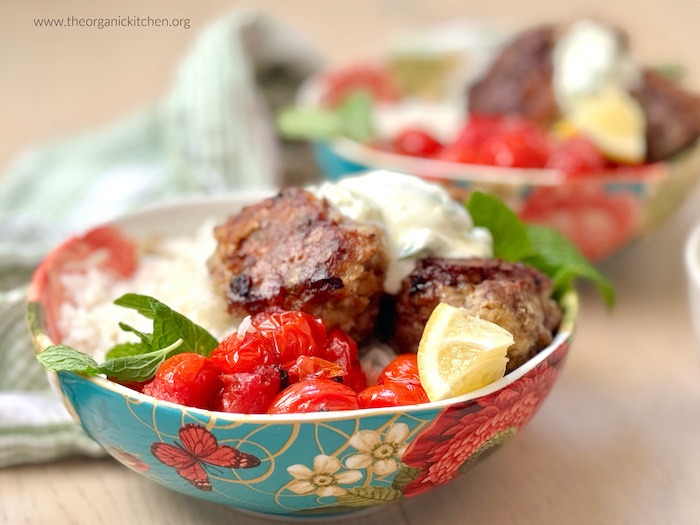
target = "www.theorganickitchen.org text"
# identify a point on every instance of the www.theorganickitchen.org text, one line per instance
(119, 21)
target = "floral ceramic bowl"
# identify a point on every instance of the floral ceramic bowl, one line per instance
(292, 465)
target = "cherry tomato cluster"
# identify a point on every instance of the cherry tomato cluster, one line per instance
(507, 141)
(372, 79)
(283, 362)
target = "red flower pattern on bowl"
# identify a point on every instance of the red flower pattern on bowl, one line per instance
(599, 222)
(461, 434)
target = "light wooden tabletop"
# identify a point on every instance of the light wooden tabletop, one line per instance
(615, 443)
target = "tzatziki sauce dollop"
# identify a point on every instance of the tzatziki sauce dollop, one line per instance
(588, 57)
(419, 219)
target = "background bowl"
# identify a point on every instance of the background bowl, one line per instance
(318, 463)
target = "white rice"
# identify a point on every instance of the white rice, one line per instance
(172, 270)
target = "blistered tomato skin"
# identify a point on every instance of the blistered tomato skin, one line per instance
(318, 395)
(306, 368)
(244, 354)
(392, 394)
(342, 350)
(403, 368)
(292, 334)
(249, 392)
(188, 379)
(499, 141)
(416, 142)
(576, 155)
(376, 81)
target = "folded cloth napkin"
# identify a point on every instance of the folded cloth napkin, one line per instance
(212, 133)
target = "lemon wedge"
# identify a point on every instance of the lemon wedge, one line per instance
(460, 353)
(614, 121)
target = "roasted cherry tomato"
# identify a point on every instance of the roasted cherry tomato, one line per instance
(416, 142)
(342, 350)
(499, 141)
(292, 334)
(392, 394)
(518, 143)
(342, 83)
(465, 148)
(576, 155)
(317, 395)
(403, 369)
(310, 367)
(249, 392)
(245, 353)
(188, 379)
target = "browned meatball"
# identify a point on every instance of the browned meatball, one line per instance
(512, 295)
(519, 81)
(672, 115)
(297, 252)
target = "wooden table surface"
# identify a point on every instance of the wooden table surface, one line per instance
(617, 440)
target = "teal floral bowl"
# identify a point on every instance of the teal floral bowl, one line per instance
(291, 465)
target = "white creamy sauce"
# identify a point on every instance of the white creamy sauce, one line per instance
(589, 57)
(419, 219)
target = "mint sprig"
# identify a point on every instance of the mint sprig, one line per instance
(352, 119)
(173, 333)
(539, 246)
(137, 368)
(168, 327)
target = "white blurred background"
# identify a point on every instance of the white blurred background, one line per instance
(57, 81)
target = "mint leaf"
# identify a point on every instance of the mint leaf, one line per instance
(544, 248)
(356, 116)
(309, 123)
(169, 325)
(672, 71)
(510, 238)
(352, 119)
(60, 358)
(140, 367)
(172, 334)
(556, 256)
(126, 349)
(146, 339)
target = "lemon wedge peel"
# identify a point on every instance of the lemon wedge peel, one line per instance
(460, 353)
(613, 121)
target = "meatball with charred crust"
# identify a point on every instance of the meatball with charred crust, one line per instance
(519, 82)
(512, 295)
(296, 252)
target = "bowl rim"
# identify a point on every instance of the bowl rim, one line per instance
(437, 170)
(569, 304)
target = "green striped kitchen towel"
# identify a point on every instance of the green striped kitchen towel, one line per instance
(211, 133)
